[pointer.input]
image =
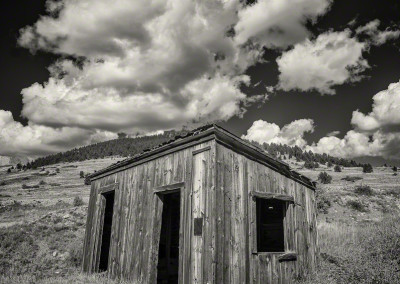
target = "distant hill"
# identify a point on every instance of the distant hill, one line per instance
(378, 161)
(123, 147)
(282, 151)
(127, 147)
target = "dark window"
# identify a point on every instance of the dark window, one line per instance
(270, 235)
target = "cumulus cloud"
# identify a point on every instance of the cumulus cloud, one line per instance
(36, 140)
(377, 37)
(375, 134)
(385, 114)
(278, 23)
(333, 58)
(291, 134)
(144, 66)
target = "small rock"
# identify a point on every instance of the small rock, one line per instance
(55, 253)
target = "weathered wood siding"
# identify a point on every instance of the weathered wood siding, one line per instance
(218, 187)
(137, 216)
(237, 257)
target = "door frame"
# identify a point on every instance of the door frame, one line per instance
(159, 193)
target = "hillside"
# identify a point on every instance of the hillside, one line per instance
(127, 147)
(43, 215)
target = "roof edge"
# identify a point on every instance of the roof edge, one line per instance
(221, 135)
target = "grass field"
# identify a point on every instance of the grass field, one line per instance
(43, 214)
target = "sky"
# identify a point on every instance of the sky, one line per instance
(320, 74)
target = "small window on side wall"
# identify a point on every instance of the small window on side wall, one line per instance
(270, 233)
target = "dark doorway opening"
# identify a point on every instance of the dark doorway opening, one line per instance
(168, 252)
(107, 225)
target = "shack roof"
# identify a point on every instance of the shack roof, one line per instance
(201, 134)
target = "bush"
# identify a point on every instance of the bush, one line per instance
(323, 204)
(352, 179)
(367, 168)
(324, 178)
(9, 170)
(309, 165)
(329, 164)
(58, 170)
(81, 174)
(42, 182)
(395, 174)
(394, 169)
(364, 190)
(356, 205)
(78, 201)
(337, 169)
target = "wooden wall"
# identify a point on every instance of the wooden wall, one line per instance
(218, 187)
(237, 259)
(138, 211)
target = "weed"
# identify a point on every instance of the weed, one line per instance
(352, 179)
(78, 201)
(357, 205)
(364, 190)
(323, 204)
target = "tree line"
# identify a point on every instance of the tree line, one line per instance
(126, 147)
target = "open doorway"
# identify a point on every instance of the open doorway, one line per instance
(107, 225)
(168, 252)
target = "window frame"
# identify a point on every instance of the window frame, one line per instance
(287, 200)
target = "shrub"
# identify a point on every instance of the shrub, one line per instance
(394, 168)
(329, 164)
(356, 205)
(2, 183)
(81, 174)
(78, 201)
(337, 169)
(309, 165)
(58, 170)
(324, 178)
(367, 168)
(395, 174)
(42, 182)
(25, 186)
(364, 190)
(323, 204)
(9, 170)
(352, 179)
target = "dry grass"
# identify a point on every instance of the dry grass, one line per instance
(41, 229)
(368, 253)
(76, 278)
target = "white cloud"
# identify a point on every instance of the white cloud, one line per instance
(291, 134)
(375, 134)
(354, 144)
(377, 37)
(385, 112)
(146, 66)
(278, 23)
(333, 58)
(36, 140)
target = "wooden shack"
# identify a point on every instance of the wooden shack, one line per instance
(206, 207)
